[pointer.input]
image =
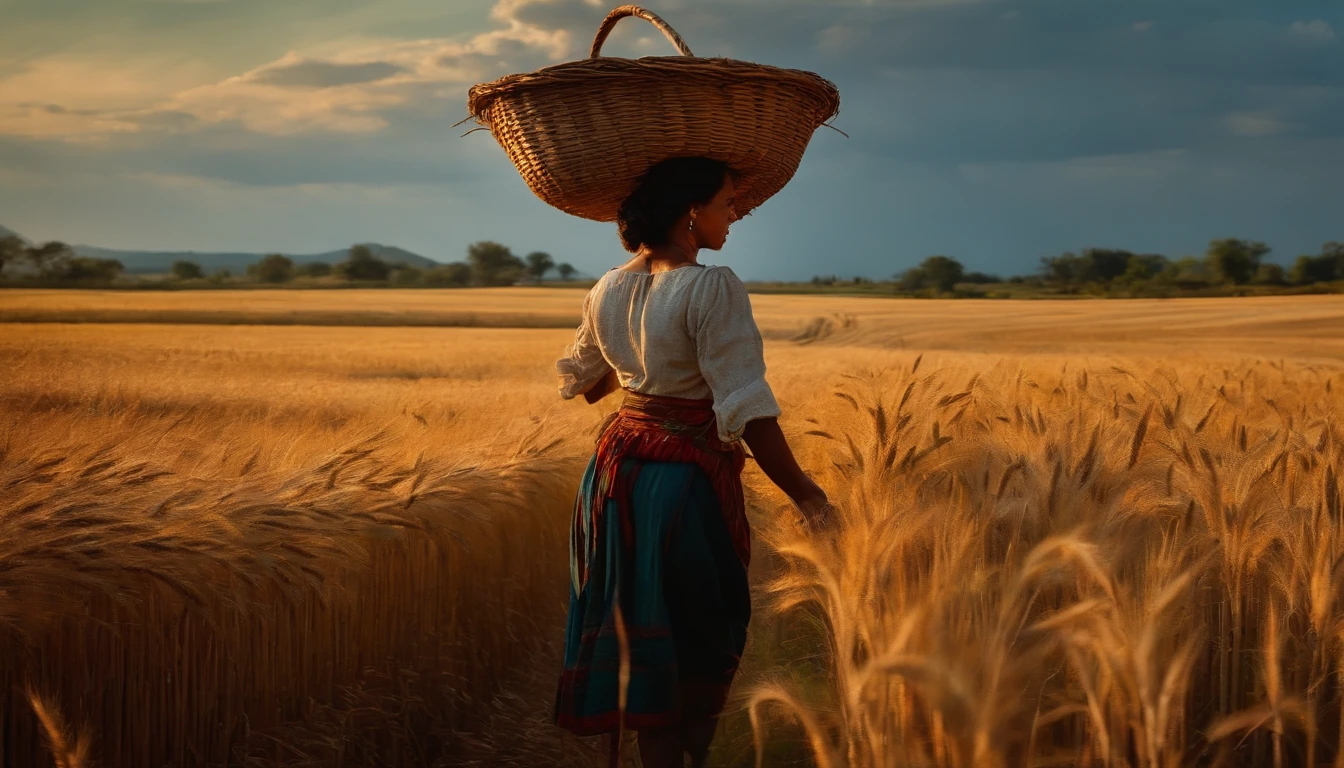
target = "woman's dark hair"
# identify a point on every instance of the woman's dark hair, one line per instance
(665, 194)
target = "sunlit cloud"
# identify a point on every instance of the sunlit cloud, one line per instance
(343, 86)
(69, 96)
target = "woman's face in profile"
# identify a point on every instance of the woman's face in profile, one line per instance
(713, 219)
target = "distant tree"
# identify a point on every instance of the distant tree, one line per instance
(220, 276)
(453, 275)
(912, 279)
(1335, 250)
(187, 270)
(1093, 265)
(942, 272)
(1140, 267)
(1269, 274)
(493, 264)
(1314, 269)
(1106, 264)
(1185, 272)
(539, 263)
(84, 269)
(405, 274)
(273, 268)
(12, 250)
(361, 264)
(1137, 270)
(980, 278)
(566, 270)
(1066, 270)
(1326, 267)
(51, 258)
(1234, 261)
(315, 269)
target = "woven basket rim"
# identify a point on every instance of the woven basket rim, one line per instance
(480, 97)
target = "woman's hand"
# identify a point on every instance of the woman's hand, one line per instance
(776, 460)
(818, 512)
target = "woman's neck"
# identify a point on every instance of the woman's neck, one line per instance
(661, 258)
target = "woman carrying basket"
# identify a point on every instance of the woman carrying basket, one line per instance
(660, 541)
(673, 149)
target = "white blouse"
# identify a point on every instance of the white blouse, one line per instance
(687, 333)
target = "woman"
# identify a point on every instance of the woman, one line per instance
(659, 601)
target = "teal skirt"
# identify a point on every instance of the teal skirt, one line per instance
(684, 605)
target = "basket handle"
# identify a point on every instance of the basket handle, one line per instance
(609, 24)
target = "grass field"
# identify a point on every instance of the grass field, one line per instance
(1096, 533)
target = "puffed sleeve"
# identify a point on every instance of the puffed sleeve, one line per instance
(583, 364)
(730, 352)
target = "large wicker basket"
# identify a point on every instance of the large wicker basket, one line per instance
(584, 132)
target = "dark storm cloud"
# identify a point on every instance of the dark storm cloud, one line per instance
(1036, 80)
(1253, 41)
(1045, 80)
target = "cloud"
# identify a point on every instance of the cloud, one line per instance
(1255, 124)
(345, 86)
(840, 38)
(1089, 169)
(931, 83)
(66, 95)
(1317, 31)
(351, 86)
(324, 74)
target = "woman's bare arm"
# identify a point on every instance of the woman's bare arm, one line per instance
(773, 455)
(604, 386)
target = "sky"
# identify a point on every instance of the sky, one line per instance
(993, 131)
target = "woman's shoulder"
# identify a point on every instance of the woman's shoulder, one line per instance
(717, 292)
(714, 273)
(718, 277)
(606, 280)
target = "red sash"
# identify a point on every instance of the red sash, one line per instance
(656, 428)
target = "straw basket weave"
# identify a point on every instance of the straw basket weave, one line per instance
(583, 133)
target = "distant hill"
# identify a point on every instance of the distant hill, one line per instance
(143, 262)
(148, 262)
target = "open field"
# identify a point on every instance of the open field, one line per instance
(1094, 533)
(1288, 325)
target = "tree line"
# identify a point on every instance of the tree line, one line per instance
(1227, 263)
(56, 261)
(487, 264)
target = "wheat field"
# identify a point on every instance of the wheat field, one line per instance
(1074, 533)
